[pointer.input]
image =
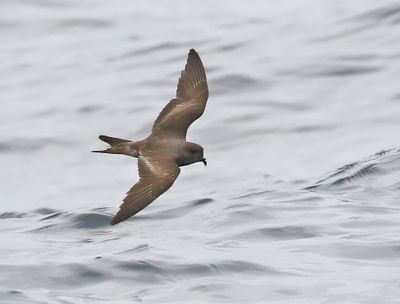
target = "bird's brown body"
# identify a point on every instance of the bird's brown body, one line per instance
(165, 150)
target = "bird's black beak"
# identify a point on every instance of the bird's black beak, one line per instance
(204, 161)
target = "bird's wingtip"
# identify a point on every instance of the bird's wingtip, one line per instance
(193, 52)
(117, 219)
(114, 221)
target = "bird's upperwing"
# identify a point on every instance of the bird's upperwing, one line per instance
(189, 104)
(156, 176)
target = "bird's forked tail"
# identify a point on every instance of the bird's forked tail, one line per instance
(118, 146)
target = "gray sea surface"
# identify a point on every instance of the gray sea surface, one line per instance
(300, 201)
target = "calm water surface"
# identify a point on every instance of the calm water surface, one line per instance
(300, 202)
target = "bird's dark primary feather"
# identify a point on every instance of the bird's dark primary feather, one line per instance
(189, 104)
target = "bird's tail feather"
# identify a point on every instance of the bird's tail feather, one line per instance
(119, 146)
(112, 141)
(110, 150)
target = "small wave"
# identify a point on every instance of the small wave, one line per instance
(379, 163)
(230, 46)
(146, 50)
(370, 179)
(371, 251)
(14, 296)
(281, 233)
(9, 215)
(86, 220)
(29, 145)
(335, 70)
(39, 276)
(233, 83)
(150, 270)
(389, 14)
(91, 220)
(45, 211)
(175, 212)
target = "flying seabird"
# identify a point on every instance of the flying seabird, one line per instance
(165, 150)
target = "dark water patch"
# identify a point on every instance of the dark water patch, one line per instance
(159, 271)
(15, 296)
(7, 25)
(313, 128)
(10, 215)
(87, 274)
(41, 211)
(209, 287)
(88, 220)
(281, 233)
(89, 109)
(299, 182)
(358, 57)
(251, 213)
(29, 144)
(370, 251)
(91, 220)
(389, 14)
(14, 291)
(44, 114)
(50, 275)
(337, 71)
(244, 118)
(396, 97)
(285, 105)
(246, 215)
(183, 209)
(45, 211)
(230, 46)
(201, 202)
(134, 37)
(288, 292)
(375, 210)
(233, 83)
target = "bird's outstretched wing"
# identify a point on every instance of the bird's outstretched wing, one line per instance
(156, 176)
(189, 104)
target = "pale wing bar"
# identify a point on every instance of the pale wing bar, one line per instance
(189, 104)
(156, 177)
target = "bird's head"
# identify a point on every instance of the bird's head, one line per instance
(196, 153)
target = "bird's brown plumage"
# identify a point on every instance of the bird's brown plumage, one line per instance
(189, 104)
(159, 153)
(156, 176)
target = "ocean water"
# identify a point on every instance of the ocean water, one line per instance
(300, 201)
